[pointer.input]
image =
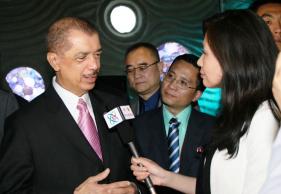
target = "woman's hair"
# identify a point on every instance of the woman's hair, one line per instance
(246, 51)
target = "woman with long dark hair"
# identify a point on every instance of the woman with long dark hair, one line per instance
(239, 57)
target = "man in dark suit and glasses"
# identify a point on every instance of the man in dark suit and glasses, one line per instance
(180, 87)
(143, 69)
(47, 147)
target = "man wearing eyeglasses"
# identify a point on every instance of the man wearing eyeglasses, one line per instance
(143, 69)
(175, 135)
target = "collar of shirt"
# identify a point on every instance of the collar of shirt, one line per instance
(70, 100)
(182, 117)
(151, 103)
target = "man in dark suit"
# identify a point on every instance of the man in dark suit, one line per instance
(8, 105)
(143, 68)
(60, 139)
(180, 87)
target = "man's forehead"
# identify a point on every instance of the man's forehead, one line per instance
(74, 42)
(274, 8)
(183, 67)
(139, 61)
(76, 33)
(141, 52)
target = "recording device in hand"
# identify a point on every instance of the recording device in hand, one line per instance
(126, 132)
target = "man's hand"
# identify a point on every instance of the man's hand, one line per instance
(91, 186)
(122, 187)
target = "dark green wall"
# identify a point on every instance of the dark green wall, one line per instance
(23, 26)
(24, 23)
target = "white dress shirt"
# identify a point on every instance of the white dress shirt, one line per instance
(71, 100)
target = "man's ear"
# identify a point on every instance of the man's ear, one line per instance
(160, 67)
(197, 95)
(53, 60)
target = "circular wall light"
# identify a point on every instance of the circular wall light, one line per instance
(123, 18)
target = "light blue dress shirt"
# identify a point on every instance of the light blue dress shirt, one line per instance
(182, 117)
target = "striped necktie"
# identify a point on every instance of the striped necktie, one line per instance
(88, 127)
(174, 148)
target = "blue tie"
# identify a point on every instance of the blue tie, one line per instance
(174, 148)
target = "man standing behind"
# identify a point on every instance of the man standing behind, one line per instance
(60, 139)
(270, 11)
(175, 134)
(143, 68)
(8, 104)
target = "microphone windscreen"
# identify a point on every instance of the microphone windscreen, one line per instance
(126, 131)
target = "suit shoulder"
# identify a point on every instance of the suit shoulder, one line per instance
(109, 98)
(202, 120)
(4, 94)
(148, 117)
(33, 107)
(150, 114)
(7, 97)
(203, 115)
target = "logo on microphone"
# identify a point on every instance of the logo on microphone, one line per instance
(117, 115)
(113, 118)
(127, 112)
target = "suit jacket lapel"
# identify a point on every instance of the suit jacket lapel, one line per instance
(192, 136)
(64, 122)
(99, 109)
(135, 105)
(161, 139)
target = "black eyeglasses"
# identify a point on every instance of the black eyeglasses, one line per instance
(142, 67)
(180, 83)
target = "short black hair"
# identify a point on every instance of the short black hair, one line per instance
(146, 45)
(58, 32)
(258, 3)
(192, 59)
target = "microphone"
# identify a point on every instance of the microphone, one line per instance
(118, 116)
